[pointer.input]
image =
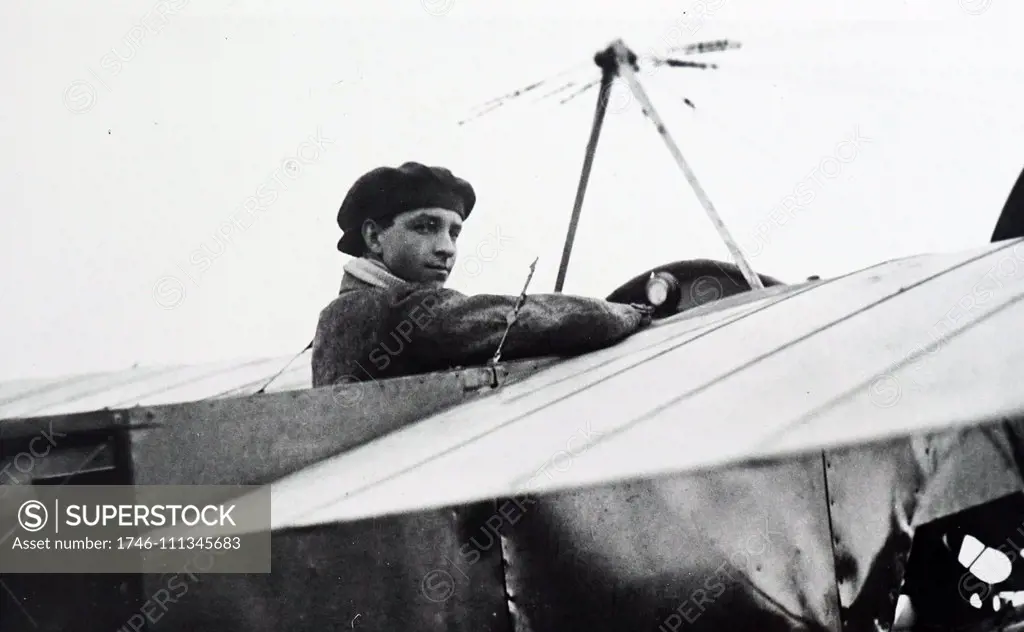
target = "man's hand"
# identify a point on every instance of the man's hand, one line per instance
(638, 316)
(646, 313)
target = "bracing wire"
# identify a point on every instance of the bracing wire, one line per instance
(579, 88)
(498, 102)
(273, 377)
(558, 90)
(586, 87)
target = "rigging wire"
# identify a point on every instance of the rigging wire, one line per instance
(273, 377)
(698, 48)
(266, 381)
(651, 59)
(556, 91)
(586, 87)
(804, 622)
(493, 104)
(537, 84)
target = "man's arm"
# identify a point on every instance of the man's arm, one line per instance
(454, 329)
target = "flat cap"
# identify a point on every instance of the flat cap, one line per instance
(389, 191)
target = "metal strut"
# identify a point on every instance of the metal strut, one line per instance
(623, 57)
(607, 62)
(618, 60)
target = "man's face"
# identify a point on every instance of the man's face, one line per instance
(419, 246)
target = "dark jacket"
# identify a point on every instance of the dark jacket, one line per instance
(368, 332)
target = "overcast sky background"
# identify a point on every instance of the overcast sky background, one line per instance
(896, 125)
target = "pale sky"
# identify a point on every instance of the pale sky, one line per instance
(894, 127)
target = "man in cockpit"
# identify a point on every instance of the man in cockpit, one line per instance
(393, 315)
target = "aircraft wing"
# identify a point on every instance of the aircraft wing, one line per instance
(906, 347)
